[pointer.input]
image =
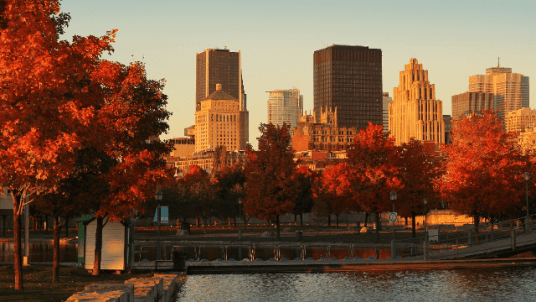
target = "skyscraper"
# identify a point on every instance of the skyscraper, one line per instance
(349, 78)
(219, 66)
(221, 122)
(468, 102)
(285, 106)
(511, 90)
(386, 101)
(415, 113)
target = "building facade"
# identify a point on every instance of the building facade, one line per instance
(468, 102)
(206, 160)
(322, 133)
(219, 66)
(510, 90)
(349, 78)
(221, 121)
(386, 101)
(285, 106)
(415, 113)
(520, 120)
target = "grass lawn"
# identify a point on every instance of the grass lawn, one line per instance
(37, 285)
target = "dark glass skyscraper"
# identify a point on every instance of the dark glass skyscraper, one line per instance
(219, 66)
(349, 78)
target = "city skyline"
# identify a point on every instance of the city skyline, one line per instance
(167, 36)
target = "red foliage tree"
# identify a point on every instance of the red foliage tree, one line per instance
(372, 159)
(305, 179)
(335, 191)
(418, 171)
(271, 189)
(483, 170)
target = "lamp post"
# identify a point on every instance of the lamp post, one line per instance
(527, 219)
(158, 198)
(239, 216)
(392, 196)
(425, 201)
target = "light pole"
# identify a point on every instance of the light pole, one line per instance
(425, 201)
(392, 196)
(527, 219)
(158, 198)
(239, 216)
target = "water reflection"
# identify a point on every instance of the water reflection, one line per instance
(501, 284)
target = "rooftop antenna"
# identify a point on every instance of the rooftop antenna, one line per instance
(498, 62)
(225, 46)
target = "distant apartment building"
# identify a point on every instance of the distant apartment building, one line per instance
(510, 90)
(322, 132)
(182, 146)
(527, 141)
(206, 160)
(520, 120)
(468, 102)
(414, 112)
(221, 121)
(219, 66)
(386, 101)
(448, 129)
(285, 106)
(349, 79)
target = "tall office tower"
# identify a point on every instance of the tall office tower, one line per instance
(511, 90)
(468, 102)
(221, 121)
(285, 106)
(414, 112)
(349, 78)
(386, 101)
(219, 66)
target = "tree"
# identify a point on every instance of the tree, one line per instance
(483, 169)
(230, 188)
(271, 188)
(336, 190)
(45, 108)
(373, 162)
(305, 179)
(418, 171)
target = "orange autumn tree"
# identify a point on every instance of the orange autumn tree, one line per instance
(305, 179)
(271, 188)
(372, 160)
(335, 191)
(483, 169)
(45, 110)
(418, 171)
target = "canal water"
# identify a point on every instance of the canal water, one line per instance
(497, 284)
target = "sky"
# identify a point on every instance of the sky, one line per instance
(452, 39)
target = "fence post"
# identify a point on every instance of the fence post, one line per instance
(393, 249)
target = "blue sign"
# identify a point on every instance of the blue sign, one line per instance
(164, 215)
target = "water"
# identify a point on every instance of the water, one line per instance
(501, 284)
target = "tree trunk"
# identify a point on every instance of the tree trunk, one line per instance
(17, 252)
(337, 218)
(413, 235)
(378, 226)
(66, 227)
(56, 253)
(476, 218)
(278, 227)
(301, 218)
(46, 223)
(366, 219)
(329, 220)
(34, 222)
(98, 247)
(406, 220)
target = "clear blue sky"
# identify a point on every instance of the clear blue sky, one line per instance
(452, 39)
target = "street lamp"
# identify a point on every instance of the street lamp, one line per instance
(392, 196)
(425, 201)
(239, 216)
(158, 198)
(527, 177)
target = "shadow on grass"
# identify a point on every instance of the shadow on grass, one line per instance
(38, 286)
